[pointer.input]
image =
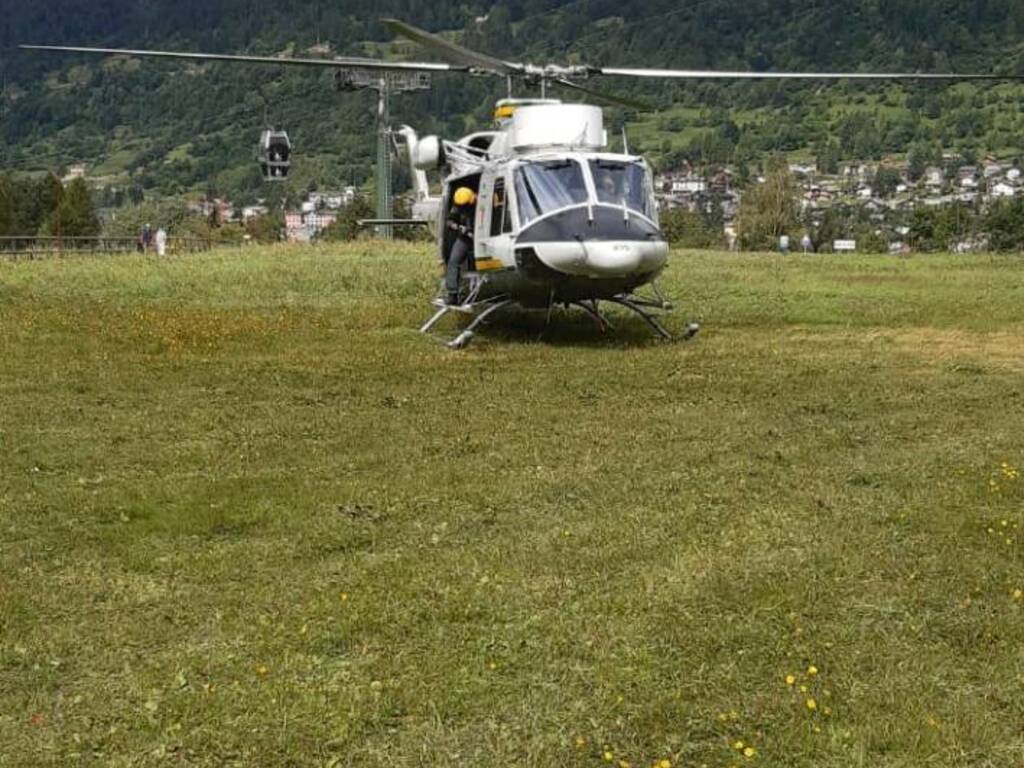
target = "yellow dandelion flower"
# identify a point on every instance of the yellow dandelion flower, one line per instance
(738, 745)
(344, 597)
(665, 764)
(790, 679)
(580, 742)
(262, 670)
(827, 711)
(1018, 594)
(624, 764)
(492, 666)
(803, 689)
(608, 756)
(749, 752)
(812, 671)
(812, 704)
(722, 717)
(1005, 523)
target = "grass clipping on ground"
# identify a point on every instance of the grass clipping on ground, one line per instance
(249, 516)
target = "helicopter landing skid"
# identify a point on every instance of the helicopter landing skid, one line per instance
(591, 308)
(489, 308)
(643, 306)
(478, 310)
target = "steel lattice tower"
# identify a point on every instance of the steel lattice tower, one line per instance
(385, 85)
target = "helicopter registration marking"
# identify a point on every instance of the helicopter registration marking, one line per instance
(486, 264)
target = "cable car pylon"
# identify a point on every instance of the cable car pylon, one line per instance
(385, 84)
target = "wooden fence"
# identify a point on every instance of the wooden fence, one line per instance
(41, 247)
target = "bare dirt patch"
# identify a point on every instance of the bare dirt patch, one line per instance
(1002, 349)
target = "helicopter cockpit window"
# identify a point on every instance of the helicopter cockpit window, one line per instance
(542, 187)
(619, 183)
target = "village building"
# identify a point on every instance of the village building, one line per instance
(251, 212)
(1003, 189)
(304, 227)
(76, 171)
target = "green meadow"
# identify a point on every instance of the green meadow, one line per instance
(249, 516)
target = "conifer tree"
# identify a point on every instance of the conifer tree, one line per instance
(45, 202)
(77, 213)
(74, 214)
(6, 207)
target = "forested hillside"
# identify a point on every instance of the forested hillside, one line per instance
(174, 128)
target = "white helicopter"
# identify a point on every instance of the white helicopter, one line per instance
(558, 219)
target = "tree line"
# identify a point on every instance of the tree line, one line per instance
(46, 206)
(174, 129)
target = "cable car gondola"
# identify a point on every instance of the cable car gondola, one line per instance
(274, 155)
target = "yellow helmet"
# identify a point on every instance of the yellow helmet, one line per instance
(464, 196)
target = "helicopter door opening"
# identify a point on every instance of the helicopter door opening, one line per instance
(448, 236)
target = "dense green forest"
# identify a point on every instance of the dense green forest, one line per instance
(173, 128)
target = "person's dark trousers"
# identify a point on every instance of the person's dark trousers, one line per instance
(456, 260)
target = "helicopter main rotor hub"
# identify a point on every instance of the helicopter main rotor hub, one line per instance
(534, 74)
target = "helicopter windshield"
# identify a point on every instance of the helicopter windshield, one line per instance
(618, 183)
(542, 187)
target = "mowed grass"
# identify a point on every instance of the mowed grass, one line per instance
(249, 516)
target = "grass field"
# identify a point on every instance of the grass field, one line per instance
(249, 516)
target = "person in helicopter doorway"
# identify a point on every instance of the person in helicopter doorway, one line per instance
(460, 221)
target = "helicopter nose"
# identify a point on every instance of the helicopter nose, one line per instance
(604, 258)
(617, 258)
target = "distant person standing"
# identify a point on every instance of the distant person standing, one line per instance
(731, 238)
(805, 243)
(146, 239)
(784, 243)
(161, 242)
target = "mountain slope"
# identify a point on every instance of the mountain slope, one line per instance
(179, 127)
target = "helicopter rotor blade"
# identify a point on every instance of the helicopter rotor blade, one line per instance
(346, 61)
(711, 74)
(453, 52)
(610, 98)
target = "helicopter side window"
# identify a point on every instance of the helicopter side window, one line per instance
(542, 187)
(501, 215)
(619, 183)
